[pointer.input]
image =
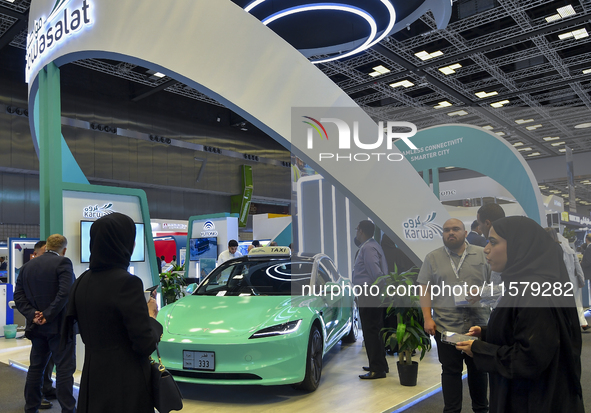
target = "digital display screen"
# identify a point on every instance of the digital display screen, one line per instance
(203, 248)
(138, 252)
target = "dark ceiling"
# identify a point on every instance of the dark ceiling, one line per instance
(521, 69)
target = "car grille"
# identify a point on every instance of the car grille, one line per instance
(215, 376)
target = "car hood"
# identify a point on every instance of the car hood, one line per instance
(201, 316)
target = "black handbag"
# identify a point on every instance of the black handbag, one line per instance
(167, 395)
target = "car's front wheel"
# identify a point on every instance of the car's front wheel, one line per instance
(351, 337)
(313, 362)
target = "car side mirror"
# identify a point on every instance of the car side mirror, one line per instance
(191, 288)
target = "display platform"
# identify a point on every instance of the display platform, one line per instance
(340, 388)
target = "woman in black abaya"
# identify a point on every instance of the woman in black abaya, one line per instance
(118, 329)
(532, 344)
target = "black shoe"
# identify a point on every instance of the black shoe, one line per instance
(45, 404)
(373, 375)
(365, 368)
(50, 395)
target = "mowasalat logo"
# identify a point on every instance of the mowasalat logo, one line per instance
(63, 22)
(56, 8)
(345, 141)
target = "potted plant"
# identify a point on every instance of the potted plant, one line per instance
(172, 283)
(408, 336)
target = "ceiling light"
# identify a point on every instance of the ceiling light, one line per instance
(518, 144)
(521, 121)
(379, 70)
(158, 74)
(586, 71)
(583, 125)
(404, 83)
(448, 70)
(371, 39)
(499, 104)
(580, 33)
(553, 18)
(533, 127)
(562, 150)
(443, 104)
(426, 56)
(566, 11)
(554, 191)
(558, 143)
(449, 167)
(458, 113)
(549, 138)
(524, 149)
(586, 182)
(500, 133)
(483, 95)
(488, 127)
(577, 34)
(534, 154)
(563, 12)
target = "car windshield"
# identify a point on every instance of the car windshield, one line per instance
(256, 277)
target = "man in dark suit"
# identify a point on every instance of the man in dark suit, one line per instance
(475, 236)
(41, 295)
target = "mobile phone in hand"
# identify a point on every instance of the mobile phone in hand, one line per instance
(452, 338)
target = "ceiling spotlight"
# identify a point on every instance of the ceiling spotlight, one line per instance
(448, 70)
(426, 56)
(499, 104)
(483, 95)
(168, 141)
(443, 104)
(458, 113)
(101, 128)
(405, 83)
(10, 109)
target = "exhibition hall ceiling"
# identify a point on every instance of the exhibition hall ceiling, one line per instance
(521, 69)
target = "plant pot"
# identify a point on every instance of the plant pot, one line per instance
(407, 373)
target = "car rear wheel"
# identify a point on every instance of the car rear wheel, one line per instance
(313, 362)
(351, 337)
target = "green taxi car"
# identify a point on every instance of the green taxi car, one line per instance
(266, 318)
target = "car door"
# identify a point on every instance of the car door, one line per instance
(331, 300)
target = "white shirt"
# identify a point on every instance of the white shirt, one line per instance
(225, 256)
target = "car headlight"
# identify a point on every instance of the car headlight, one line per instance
(278, 330)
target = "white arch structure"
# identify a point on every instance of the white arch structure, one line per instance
(227, 54)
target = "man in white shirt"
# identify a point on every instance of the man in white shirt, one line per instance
(230, 253)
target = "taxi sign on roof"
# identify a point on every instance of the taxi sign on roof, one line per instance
(270, 251)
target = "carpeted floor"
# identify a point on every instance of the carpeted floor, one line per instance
(13, 381)
(12, 391)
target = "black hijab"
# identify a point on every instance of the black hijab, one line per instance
(532, 254)
(112, 239)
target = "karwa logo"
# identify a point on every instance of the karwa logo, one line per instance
(209, 229)
(426, 230)
(344, 140)
(95, 211)
(63, 22)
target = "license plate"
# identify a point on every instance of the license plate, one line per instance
(198, 360)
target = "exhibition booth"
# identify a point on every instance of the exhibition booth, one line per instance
(401, 192)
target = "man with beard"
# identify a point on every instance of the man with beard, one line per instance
(457, 263)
